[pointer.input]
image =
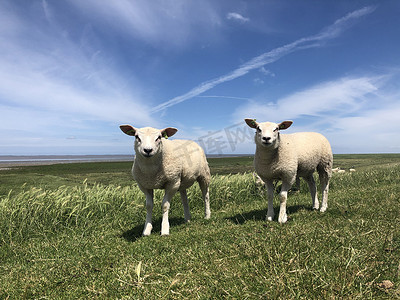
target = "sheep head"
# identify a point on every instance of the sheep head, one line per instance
(148, 140)
(267, 133)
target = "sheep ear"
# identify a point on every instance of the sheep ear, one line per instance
(128, 129)
(285, 125)
(169, 131)
(251, 123)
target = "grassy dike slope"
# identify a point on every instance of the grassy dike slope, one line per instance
(73, 231)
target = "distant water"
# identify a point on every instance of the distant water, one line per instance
(25, 160)
(20, 160)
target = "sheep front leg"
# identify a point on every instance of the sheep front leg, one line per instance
(149, 207)
(270, 196)
(282, 198)
(169, 193)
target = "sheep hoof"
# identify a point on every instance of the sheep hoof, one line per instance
(282, 219)
(147, 230)
(165, 233)
(270, 218)
(323, 208)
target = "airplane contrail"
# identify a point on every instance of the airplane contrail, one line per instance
(329, 32)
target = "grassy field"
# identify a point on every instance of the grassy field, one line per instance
(74, 231)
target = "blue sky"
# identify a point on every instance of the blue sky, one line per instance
(72, 71)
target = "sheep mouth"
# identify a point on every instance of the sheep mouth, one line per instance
(266, 144)
(147, 154)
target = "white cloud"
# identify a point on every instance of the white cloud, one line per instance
(374, 128)
(266, 72)
(258, 81)
(357, 114)
(237, 17)
(344, 95)
(370, 132)
(43, 70)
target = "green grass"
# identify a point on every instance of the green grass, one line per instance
(74, 231)
(71, 174)
(365, 161)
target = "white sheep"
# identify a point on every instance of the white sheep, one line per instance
(170, 165)
(285, 156)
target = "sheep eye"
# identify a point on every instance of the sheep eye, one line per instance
(137, 138)
(158, 138)
(276, 129)
(258, 129)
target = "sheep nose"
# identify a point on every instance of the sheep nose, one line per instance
(147, 150)
(266, 139)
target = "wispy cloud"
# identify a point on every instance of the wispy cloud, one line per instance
(45, 70)
(326, 34)
(237, 17)
(266, 72)
(158, 23)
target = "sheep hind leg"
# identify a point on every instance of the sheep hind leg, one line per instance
(204, 187)
(270, 196)
(313, 191)
(185, 204)
(324, 179)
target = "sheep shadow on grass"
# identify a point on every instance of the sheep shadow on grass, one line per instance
(260, 214)
(135, 233)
